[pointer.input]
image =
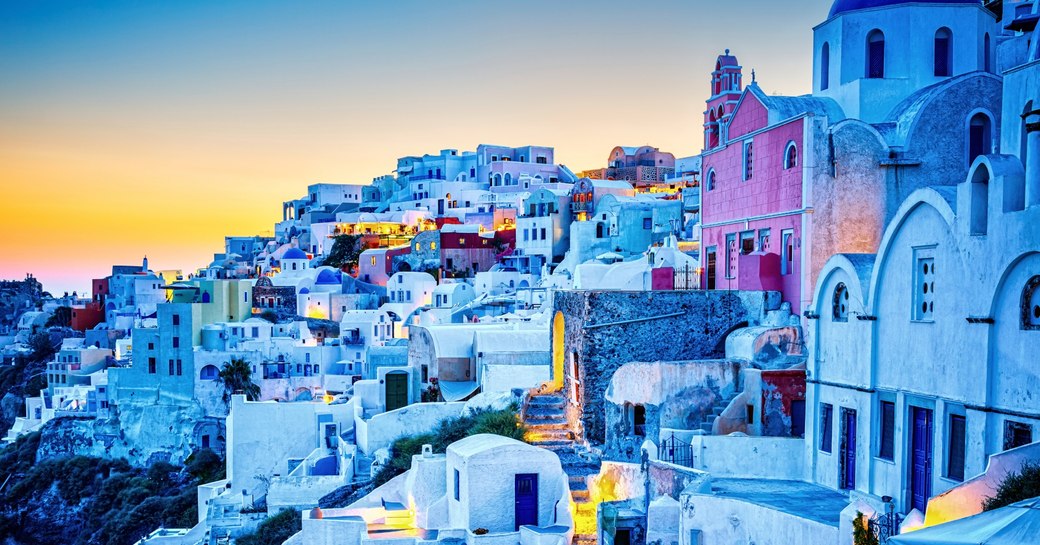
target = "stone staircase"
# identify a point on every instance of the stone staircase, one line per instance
(716, 412)
(547, 427)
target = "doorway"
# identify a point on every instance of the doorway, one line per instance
(847, 457)
(920, 457)
(712, 258)
(396, 390)
(526, 500)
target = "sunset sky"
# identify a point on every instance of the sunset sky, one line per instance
(137, 127)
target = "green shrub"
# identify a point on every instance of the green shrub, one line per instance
(274, 530)
(1015, 487)
(501, 422)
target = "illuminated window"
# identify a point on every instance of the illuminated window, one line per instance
(373, 260)
(433, 245)
(416, 246)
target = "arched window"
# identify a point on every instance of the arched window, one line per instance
(1023, 153)
(1031, 305)
(208, 372)
(875, 54)
(980, 136)
(979, 219)
(840, 305)
(987, 64)
(498, 179)
(825, 67)
(943, 53)
(711, 180)
(791, 156)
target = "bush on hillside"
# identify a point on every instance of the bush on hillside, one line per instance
(1015, 487)
(274, 530)
(501, 422)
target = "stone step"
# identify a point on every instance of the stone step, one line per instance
(542, 434)
(717, 411)
(707, 427)
(544, 414)
(580, 496)
(547, 400)
(541, 425)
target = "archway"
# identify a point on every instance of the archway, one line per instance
(558, 353)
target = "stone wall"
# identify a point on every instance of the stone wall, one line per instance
(603, 330)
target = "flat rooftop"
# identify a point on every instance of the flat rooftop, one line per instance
(804, 500)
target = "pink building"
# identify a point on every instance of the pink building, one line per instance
(644, 166)
(754, 210)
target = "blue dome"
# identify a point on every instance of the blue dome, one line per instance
(327, 277)
(843, 6)
(294, 253)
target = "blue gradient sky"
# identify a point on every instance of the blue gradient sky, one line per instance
(134, 127)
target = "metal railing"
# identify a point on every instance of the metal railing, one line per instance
(676, 451)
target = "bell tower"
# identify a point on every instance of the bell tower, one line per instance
(726, 86)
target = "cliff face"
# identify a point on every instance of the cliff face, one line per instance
(82, 500)
(140, 434)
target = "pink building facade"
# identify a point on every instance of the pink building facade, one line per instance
(753, 204)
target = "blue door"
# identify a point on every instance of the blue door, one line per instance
(848, 449)
(526, 495)
(920, 458)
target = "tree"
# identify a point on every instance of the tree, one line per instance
(237, 378)
(346, 251)
(62, 317)
(42, 346)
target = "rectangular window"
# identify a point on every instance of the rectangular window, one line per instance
(307, 357)
(924, 284)
(525, 235)
(151, 346)
(731, 255)
(256, 332)
(647, 223)
(171, 367)
(826, 418)
(176, 319)
(543, 233)
(180, 368)
(456, 485)
(957, 446)
(887, 423)
(747, 242)
(176, 342)
(1016, 434)
(151, 366)
(787, 241)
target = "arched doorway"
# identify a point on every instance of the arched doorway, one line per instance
(558, 353)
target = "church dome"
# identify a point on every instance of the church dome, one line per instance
(844, 6)
(294, 253)
(327, 277)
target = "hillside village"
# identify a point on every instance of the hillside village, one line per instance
(826, 320)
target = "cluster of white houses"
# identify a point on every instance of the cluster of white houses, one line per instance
(832, 312)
